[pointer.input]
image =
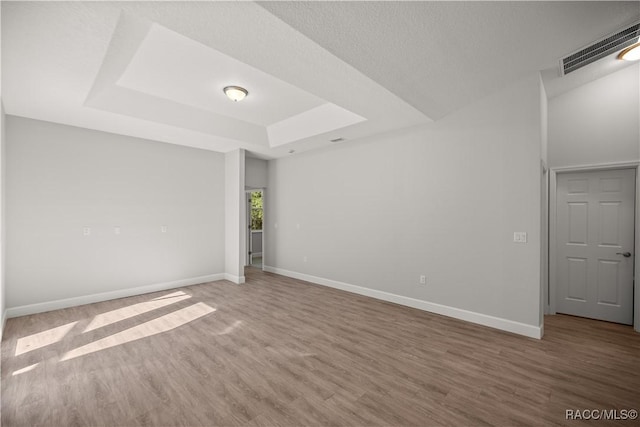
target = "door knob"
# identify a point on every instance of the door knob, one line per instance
(624, 254)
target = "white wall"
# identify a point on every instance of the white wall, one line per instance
(255, 173)
(597, 122)
(441, 200)
(62, 178)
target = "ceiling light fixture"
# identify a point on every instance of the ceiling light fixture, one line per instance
(632, 53)
(235, 93)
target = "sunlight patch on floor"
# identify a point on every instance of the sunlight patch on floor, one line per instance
(23, 370)
(42, 339)
(153, 327)
(171, 295)
(230, 328)
(120, 314)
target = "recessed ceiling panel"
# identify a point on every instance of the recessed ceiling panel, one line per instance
(171, 66)
(168, 78)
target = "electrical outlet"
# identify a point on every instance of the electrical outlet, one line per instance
(163, 229)
(86, 231)
(304, 259)
(116, 230)
(423, 280)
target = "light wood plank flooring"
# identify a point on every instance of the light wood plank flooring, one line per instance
(278, 351)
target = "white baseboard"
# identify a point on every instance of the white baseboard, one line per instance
(25, 310)
(238, 280)
(469, 316)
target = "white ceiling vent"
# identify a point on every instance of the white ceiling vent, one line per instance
(599, 49)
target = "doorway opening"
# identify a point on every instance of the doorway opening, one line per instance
(255, 234)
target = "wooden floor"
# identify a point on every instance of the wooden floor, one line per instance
(278, 351)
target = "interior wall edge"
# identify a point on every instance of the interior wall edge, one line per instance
(636, 272)
(4, 322)
(457, 313)
(42, 307)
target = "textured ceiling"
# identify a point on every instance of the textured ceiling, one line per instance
(318, 70)
(440, 56)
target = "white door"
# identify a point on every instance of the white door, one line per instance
(595, 241)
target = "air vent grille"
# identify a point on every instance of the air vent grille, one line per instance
(600, 49)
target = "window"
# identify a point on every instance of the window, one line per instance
(256, 210)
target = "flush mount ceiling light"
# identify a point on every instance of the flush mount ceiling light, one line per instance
(235, 93)
(632, 53)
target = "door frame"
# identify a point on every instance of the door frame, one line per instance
(553, 187)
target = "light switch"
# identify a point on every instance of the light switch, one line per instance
(163, 229)
(116, 230)
(520, 237)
